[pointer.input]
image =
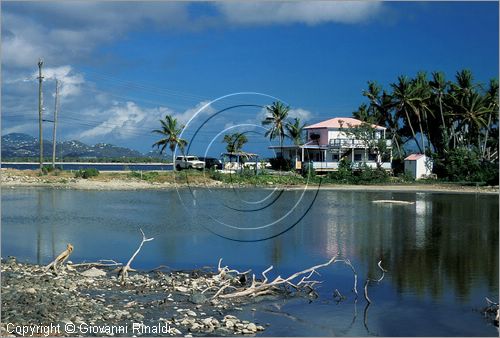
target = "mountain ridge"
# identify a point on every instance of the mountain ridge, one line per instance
(20, 145)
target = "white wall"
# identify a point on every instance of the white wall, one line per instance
(418, 169)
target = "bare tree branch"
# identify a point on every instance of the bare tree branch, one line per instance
(123, 272)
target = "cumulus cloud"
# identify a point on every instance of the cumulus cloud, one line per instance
(307, 12)
(70, 81)
(129, 120)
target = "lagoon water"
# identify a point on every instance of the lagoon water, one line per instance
(441, 252)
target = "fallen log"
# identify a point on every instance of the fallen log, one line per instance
(393, 202)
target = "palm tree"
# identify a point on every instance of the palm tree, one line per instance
(405, 98)
(276, 119)
(492, 102)
(423, 94)
(171, 132)
(472, 114)
(294, 131)
(438, 86)
(235, 142)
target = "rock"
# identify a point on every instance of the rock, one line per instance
(260, 328)
(207, 321)
(137, 316)
(198, 298)
(195, 327)
(93, 272)
(191, 313)
(31, 291)
(181, 289)
(252, 327)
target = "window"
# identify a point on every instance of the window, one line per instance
(372, 157)
(357, 157)
(335, 157)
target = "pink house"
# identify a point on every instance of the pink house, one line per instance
(328, 143)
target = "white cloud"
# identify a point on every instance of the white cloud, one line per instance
(129, 120)
(308, 12)
(186, 115)
(300, 113)
(70, 82)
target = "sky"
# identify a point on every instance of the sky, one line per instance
(216, 65)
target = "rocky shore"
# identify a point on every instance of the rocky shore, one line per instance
(83, 300)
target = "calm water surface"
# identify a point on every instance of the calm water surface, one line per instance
(441, 251)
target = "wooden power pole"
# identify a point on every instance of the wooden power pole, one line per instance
(56, 104)
(40, 105)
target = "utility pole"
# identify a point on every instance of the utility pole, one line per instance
(40, 104)
(55, 126)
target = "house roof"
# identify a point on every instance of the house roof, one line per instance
(414, 157)
(340, 122)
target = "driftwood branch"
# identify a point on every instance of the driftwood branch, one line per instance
(99, 263)
(123, 272)
(63, 256)
(368, 280)
(266, 285)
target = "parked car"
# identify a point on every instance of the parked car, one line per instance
(211, 162)
(188, 162)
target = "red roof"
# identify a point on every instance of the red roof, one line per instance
(414, 157)
(340, 122)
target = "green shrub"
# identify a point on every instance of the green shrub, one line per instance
(465, 165)
(215, 175)
(86, 173)
(406, 177)
(146, 176)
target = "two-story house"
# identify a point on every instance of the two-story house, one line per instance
(329, 142)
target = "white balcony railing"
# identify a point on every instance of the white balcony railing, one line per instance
(354, 165)
(351, 143)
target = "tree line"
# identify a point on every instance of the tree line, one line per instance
(453, 121)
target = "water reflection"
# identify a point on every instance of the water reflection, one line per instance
(443, 246)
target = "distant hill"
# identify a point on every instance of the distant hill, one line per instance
(18, 145)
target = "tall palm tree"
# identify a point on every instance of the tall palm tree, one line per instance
(492, 103)
(170, 130)
(235, 142)
(438, 86)
(294, 131)
(404, 95)
(276, 119)
(471, 114)
(423, 94)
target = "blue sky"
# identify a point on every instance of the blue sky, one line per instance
(125, 65)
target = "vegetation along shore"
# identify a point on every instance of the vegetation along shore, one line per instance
(170, 180)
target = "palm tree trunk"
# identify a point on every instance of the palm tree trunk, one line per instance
(173, 161)
(487, 135)
(422, 135)
(412, 130)
(445, 131)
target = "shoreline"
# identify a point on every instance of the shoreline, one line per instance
(150, 303)
(11, 179)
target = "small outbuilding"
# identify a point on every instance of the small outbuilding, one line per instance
(418, 166)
